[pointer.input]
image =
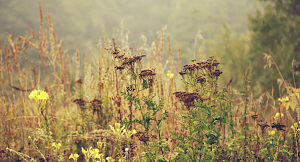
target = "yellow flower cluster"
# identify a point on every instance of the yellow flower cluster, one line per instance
(286, 103)
(56, 145)
(121, 131)
(296, 91)
(39, 96)
(74, 157)
(277, 115)
(92, 153)
(294, 127)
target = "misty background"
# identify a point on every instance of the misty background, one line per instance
(236, 32)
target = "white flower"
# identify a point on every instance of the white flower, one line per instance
(126, 149)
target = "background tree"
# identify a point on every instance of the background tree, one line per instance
(275, 31)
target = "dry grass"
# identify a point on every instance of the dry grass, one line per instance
(80, 109)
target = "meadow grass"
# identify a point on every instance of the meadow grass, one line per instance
(132, 105)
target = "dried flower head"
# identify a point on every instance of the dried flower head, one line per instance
(188, 98)
(79, 81)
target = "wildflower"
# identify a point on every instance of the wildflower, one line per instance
(33, 95)
(286, 103)
(170, 75)
(126, 149)
(39, 96)
(83, 150)
(272, 132)
(118, 131)
(88, 153)
(130, 133)
(294, 127)
(282, 100)
(74, 157)
(56, 145)
(43, 96)
(99, 144)
(110, 96)
(95, 151)
(98, 156)
(295, 92)
(109, 159)
(277, 115)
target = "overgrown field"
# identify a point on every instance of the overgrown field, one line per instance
(133, 106)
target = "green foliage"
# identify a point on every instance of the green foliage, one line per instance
(274, 31)
(206, 113)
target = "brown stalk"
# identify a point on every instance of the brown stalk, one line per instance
(2, 69)
(77, 63)
(161, 44)
(86, 65)
(52, 41)
(179, 59)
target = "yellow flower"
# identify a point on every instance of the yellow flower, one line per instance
(117, 125)
(74, 157)
(118, 131)
(134, 132)
(39, 96)
(286, 103)
(43, 96)
(130, 133)
(109, 159)
(83, 150)
(272, 132)
(170, 75)
(294, 126)
(276, 117)
(56, 145)
(296, 91)
(287, 99)
(33, 95)
(98, 156)
(99, 144)
(96, 151)
(110, 96)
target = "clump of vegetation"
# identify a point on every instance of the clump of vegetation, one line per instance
(127, 108)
